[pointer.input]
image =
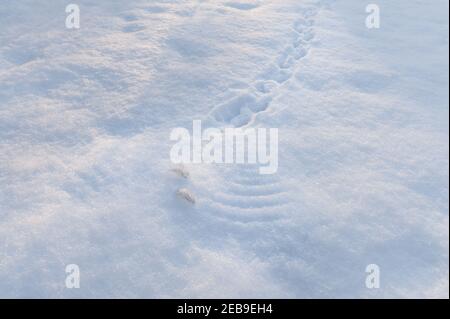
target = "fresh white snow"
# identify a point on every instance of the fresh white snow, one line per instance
(86, 177)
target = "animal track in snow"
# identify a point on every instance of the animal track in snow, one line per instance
(239, 110)
(250, 197)
(265, 86)
(186, 195)
(242, 110)
(286, 60)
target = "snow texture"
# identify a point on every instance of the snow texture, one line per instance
(86, 178)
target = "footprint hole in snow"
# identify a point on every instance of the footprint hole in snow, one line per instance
(186, 195)
(181, 171)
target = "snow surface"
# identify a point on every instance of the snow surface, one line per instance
(86, 179)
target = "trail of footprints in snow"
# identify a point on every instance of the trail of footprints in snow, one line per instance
(249, 197)
(242, 110)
